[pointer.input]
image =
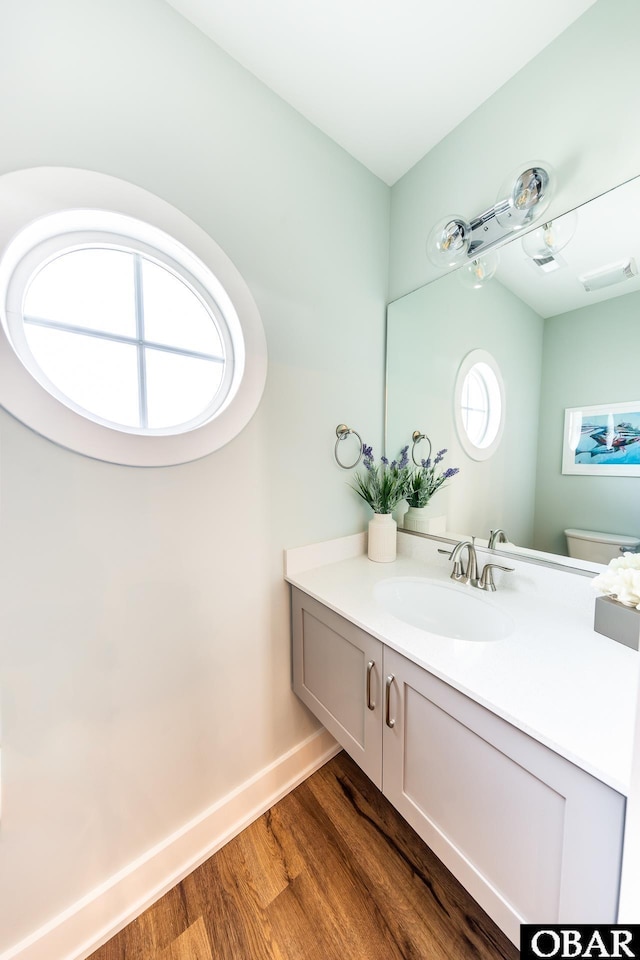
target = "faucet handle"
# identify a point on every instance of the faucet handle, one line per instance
(486, 580)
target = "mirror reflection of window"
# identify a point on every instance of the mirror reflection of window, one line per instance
(479, 404)
(474, 406)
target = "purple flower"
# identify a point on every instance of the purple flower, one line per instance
(383, 485)
(450, 472)
(426, 463)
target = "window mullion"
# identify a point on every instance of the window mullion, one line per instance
(142, 360)
(119, 338)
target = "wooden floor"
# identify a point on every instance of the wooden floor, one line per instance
(331, 872)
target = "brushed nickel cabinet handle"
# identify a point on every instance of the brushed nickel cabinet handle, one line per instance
(370, 703)
(387, 719)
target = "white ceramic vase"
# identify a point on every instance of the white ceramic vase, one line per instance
(416, 518)
(424, 520)
(382, 538)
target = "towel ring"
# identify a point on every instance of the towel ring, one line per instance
(417, 437)
(342, 432)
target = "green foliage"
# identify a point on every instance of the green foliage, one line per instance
(424, 481)
(385, 485)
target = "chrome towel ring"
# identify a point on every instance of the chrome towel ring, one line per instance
(416, 436)
(342, 432)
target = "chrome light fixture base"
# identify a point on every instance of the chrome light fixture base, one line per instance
(526, 196)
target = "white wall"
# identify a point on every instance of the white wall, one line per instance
(144, 625)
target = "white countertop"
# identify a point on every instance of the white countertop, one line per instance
(553, 677)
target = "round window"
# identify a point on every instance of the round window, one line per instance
(479, 404)
(133, 344)
(126, 339)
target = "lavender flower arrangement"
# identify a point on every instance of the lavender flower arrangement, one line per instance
(425, 481)
(385, 485)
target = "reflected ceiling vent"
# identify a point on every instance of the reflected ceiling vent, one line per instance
(608, 276)
(549, 262)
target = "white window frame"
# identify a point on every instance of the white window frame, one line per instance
(494, 427)
(40, 205)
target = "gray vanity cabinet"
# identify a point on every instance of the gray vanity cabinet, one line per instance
(337, 671)
(532, 837)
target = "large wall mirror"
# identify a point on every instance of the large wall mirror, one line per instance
(561, 318)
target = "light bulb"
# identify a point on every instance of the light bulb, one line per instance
(550, 238)
(448, 242)
(525, 195)
(476, 273)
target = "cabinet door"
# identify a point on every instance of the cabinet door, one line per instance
(532, 837)
(337, 670)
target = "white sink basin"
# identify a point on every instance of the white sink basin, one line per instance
(450, 610)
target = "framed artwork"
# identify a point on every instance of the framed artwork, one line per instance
(602, 440)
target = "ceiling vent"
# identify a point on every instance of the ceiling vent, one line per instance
(608, 276)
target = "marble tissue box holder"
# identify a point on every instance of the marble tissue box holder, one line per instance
(617, 621)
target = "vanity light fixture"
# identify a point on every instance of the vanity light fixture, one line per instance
(454, 240)
(528, 194)
(610, 275)
(449, 242)
(544, 244)
(476, 273)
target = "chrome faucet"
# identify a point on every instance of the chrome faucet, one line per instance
(497, 536)
(469, 574)
(462, 574)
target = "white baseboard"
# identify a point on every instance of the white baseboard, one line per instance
(91, 921)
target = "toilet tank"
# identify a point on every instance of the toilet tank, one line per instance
(598, 547)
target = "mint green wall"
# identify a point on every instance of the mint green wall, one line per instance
(144, 623)
(571, 106)
(590, 357)
(430, 332)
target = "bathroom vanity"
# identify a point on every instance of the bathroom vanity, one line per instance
(510, 754)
